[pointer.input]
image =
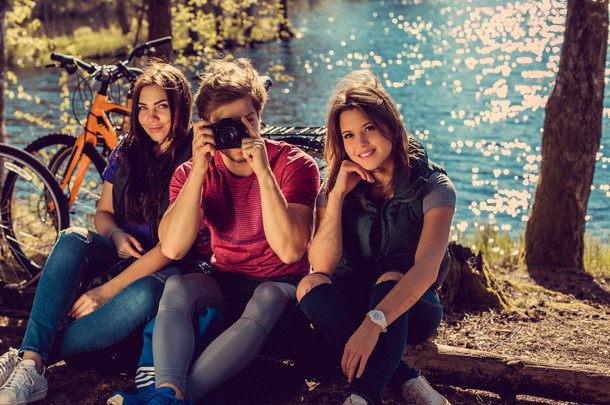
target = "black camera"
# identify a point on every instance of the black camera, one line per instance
(228, 133)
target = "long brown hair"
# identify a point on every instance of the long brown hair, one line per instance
(148, 169)
(361, 90)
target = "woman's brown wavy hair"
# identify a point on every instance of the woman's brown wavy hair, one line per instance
(361, 90)
(149, 170)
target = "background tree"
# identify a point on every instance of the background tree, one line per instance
(160, 25)
(121, 16)
(554, 236)
(284, 31)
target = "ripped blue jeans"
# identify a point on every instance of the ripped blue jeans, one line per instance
(76, 258)
(338, 309)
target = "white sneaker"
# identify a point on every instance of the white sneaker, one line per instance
(8, 361)
(24, 386)
(417, 391)
(355, 399)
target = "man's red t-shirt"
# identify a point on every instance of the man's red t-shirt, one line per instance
(233, 213)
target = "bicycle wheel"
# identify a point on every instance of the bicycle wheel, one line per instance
(33, 210)
(55, 151)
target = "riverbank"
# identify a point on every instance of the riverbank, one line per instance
(548, 326)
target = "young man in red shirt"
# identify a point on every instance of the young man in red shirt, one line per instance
(257, 199)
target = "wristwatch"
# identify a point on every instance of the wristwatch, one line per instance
(378, 317)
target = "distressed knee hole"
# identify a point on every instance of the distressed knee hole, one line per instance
(78, 232)
(310, 282)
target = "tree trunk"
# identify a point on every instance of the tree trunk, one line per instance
(46, 18)
(141, 13)
(214, 8)
(284, 30)
(160, 25)
(469, 285)
(121, 16)
(250, 20)
(554, 236)
(508, 376)
(3, 9)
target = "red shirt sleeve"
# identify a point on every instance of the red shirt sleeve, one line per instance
(300, 178)
(178, 180)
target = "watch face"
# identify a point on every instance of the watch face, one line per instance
(377, 316)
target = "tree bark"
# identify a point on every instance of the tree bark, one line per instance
(3, 10)
(469, 285)
(554, 236)
(160, 25)
(141, 13)
(121, 16)
(508, 376)
(284, 31)
(214, 8)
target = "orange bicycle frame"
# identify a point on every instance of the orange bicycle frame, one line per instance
(97, 123)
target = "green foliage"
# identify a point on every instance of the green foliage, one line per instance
(24, 48)
(597, 255)
(201, 30)
(498, 247)
(88, 44)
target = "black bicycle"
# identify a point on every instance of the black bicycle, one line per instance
(33, 210)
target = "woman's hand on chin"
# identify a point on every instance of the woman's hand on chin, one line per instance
(349, 176)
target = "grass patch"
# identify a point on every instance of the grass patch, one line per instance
(86, 43)
(499, 248)
(597, 256)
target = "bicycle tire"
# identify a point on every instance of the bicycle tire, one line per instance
(55, 150)
(33, 210)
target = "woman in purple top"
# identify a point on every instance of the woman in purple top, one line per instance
(65, 321)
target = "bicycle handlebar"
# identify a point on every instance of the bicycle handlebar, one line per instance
(70, 62)
(147, 48)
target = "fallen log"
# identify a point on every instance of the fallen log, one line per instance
(508, 376)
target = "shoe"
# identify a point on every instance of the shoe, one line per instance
(355, 399)
(8, 362)
(24, 386)
(417, 391)
(166, 396)
(121, 398)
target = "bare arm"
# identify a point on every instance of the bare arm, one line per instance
(288, 227)
(327, 245)
(428, 257)
(104, 213)
(181, 222)
(126, 245)
(149, 263)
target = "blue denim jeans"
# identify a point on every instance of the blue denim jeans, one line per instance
(76, 258)
(337, 310)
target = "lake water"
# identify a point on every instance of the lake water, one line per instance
(471, 79)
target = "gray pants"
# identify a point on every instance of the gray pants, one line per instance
(174, 336)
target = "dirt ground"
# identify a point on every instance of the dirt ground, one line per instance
(561, 320)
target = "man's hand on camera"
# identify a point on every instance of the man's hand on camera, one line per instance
(203, 146)
(254, 150)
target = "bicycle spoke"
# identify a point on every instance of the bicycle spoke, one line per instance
(30, 206)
